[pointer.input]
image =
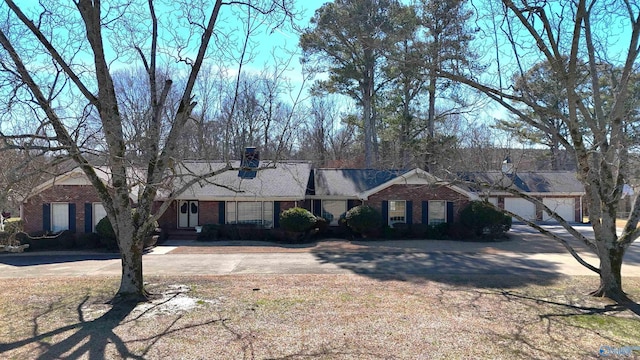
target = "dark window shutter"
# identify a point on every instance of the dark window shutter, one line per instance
(317, 207)
(276, 214)
(46, 217)
(409, 212)
(449, 212)
(72, 217)
(385, 212)
(221, 212)
(88, 217)
(425, 212)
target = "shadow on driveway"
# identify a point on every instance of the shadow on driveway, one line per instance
(444, 267)
(53, 258)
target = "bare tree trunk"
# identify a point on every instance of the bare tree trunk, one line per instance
(610, 273)
(131, 282)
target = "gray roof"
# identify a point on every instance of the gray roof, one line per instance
(350, 183)
(273, 180)
(542, 182)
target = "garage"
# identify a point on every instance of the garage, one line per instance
(565, 207)
(521, 207)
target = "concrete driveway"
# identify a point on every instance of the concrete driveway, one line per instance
(527, 253)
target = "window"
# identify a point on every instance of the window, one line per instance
(397, 211)
(250, 212)
(437, 212)
(98, 213)
(59, 217)
(332, 210)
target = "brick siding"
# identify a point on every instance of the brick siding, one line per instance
(417, 194)
(77, 194)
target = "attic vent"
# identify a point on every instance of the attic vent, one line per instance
(249, 163)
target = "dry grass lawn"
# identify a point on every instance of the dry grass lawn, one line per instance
(315, 317)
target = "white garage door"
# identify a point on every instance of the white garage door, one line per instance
(522, 207)
(562, 206)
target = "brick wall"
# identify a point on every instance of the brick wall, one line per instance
(208, 213)
(417, 194)
(168, 220)
(77, 194)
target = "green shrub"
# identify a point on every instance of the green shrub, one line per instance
(210, 232)
(250, 232)
(390, 233)
(402, 230)
(437, 231)
(88, 241)
(297, 219)
(108, 235)
(321, 224)
(484, 221)
(66, 239)
(242, 232)
(286, 237)
(43, 240)
(363, 219)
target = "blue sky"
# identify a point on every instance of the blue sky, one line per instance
(284, 40)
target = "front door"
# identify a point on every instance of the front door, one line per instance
(188, 213)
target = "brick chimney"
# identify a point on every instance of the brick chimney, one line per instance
(249, 163)
(507, 166)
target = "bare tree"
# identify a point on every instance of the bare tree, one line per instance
(97, 38)
(325, 138)
(565, 36)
